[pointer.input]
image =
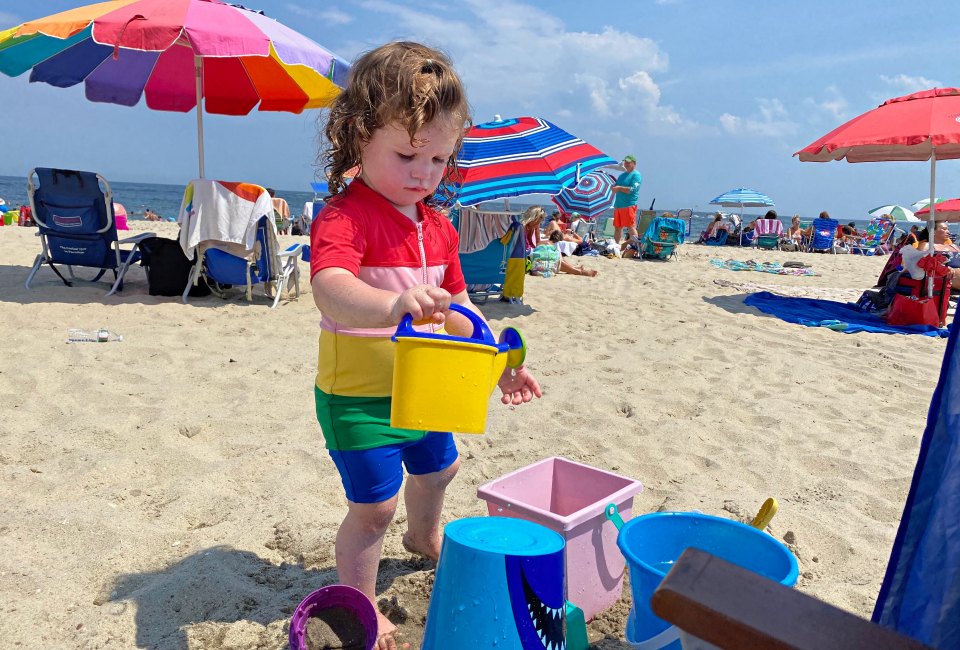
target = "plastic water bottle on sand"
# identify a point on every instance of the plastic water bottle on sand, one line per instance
(96, 336)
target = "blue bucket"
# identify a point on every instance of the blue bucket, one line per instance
(652, 543)
(498, 584)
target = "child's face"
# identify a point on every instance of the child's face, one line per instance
(405, 173)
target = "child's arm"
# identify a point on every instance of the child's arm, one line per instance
(349, 300)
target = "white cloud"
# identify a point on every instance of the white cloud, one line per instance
(833, 106)
(908, 84)
(329, 16)
(771, 120)
(515, 56)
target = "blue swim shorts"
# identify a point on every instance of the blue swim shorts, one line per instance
(375, 475)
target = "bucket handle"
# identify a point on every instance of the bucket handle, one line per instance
(613, 514)
(481, 332)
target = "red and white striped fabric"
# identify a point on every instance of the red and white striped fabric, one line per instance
(768, 227)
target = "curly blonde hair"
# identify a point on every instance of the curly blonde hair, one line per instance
(404, 83)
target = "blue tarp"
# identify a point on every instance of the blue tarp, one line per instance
(920, 596)
(841, 316)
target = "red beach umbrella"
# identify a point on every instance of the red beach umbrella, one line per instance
(921, 126)
(948, 210)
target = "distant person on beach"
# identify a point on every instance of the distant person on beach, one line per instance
(566, 267)
(555, 225)
(379, 251)
(808, 231)
(150, 215)
(910, 238)
(281, 212)
(627, 191)
(912, 256)
(531, 220)
(793, 238)
(712, 231)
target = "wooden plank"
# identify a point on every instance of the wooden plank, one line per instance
(732, 607)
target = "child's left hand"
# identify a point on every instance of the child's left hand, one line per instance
(518, 386)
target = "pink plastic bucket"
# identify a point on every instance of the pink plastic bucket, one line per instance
(569, 498)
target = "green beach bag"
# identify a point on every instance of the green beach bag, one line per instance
(544, 260)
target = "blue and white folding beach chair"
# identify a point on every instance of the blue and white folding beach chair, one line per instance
(662, 237)
(265, 265)
(230, 226)
(76, 226)
(824, 235)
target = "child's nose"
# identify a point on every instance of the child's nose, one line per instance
(420, 170)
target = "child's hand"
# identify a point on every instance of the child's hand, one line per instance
(518, 386)
(424, 302)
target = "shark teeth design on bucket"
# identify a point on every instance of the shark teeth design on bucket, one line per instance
(538, 606)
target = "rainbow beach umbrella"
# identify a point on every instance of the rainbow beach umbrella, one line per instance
(520, 156)
(179, 54)
(591, 196)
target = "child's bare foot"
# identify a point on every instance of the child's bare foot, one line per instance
(385, 631)
(429, 550)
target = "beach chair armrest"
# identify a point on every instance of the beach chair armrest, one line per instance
(136, 238)
(291, 251)
(731, 607)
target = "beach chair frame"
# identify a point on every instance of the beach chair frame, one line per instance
(60, 245)
(222, 269)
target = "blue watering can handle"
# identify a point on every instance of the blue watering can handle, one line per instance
(481, 332)
(613, 514)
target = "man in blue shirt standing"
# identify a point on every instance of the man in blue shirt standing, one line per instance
(627, 190)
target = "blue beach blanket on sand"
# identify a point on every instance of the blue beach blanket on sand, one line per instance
(840, 316)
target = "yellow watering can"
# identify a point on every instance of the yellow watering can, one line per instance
(443, 382)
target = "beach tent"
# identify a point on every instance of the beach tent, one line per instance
(920, 595)
(180, 54)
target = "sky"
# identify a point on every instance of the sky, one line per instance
(709, 95)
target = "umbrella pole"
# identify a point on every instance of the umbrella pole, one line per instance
(931, 220)
(198, 68)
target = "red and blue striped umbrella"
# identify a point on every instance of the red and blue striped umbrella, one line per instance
(591, 196)
(520, 156)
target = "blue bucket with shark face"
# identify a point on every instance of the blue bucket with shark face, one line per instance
(499, 584)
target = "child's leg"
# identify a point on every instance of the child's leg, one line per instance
(359, 545)
(423, 496)
(431, 464)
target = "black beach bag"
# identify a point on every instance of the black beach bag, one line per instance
(168, 269)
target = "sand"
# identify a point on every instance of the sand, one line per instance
(172, 490)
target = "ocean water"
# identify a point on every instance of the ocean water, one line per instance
(137, 197)
(165, 201)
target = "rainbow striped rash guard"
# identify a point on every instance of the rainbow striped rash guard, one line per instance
(360, 231)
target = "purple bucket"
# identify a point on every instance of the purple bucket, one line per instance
(328, 597)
